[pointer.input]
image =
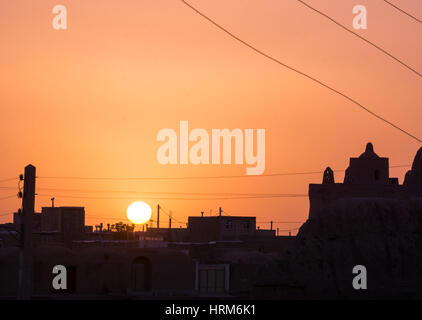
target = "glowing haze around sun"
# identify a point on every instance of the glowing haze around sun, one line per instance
(139, 212)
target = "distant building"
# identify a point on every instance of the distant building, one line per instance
(166, 234)
(206, 229)
(367, 176)
(413, 178)
(36, 220)
(63, 224)
(9, 235)
(104, 272)
(223, 228)
(369, 168)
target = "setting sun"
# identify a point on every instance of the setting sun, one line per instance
(139, 212)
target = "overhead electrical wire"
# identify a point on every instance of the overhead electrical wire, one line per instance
(281, 174)
(184, 199)
(9, 197)
(402, 11)
(178, 178)
(105, 218)
(182, 222)
(301, 73)
(161, 192)
(171, 215)
(362, 38)
(289, 230)
(8, 179)
(5, 214)
(280, 222)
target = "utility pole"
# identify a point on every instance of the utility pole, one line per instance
(158, 216)
(220, 211)
(28, 204)
(169, 236)
(271, 223)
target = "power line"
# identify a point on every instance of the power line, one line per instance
(182, 222)
(8, 179)
(171, 216)
(280, 222)
(259, 222)
(105, 218)
(184, 199)
(301, 73)
(281, 174)
(5, 214)
(402, 11)
(8, 197)
(178, 178)
(227, 214)
(164, 193)
(400, 166)
(362, 38)
(288, 230)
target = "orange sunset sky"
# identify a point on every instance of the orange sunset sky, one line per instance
(90, 100)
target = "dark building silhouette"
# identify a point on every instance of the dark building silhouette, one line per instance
(369, 168)
(413, 178)
(367, 176)
(328, 176)
(368, 219)
(36, 220)
(220, 228)
(63, 224)
(103, 272)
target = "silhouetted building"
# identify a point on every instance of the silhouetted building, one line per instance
(413, 178)
(367, 176)
(63, 224)
(369, 168)
(36, 220)
(206, 229)
(9, 235)
(107, 272)
(166, 234)
(223, 228)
